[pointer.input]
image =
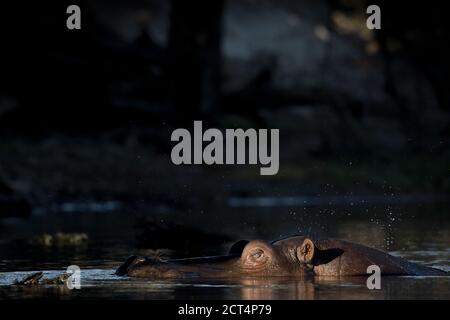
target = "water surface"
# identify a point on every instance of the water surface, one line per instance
(417, 233)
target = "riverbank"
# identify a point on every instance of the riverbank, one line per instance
(63, 169)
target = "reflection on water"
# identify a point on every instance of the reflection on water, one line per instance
(417, 233)
(101, 283)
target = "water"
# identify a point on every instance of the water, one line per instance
(102, 283)
(417, 233)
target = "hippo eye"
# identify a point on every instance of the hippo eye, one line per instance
(256, 257)
(257, 254)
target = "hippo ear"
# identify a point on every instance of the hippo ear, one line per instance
(238, 247)
(305, 253)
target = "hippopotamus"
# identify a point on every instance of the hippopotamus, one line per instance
(295, 256)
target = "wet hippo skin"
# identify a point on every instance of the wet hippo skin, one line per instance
(332, 257)
(295, 256)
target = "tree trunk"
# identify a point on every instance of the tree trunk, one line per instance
(194, 56)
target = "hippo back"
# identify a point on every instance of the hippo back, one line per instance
(356, 258)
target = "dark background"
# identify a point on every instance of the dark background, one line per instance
(86, 115)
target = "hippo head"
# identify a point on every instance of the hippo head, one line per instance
(306, 251)
(297, 247)
(246, 258)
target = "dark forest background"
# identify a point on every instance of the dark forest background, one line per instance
(87, 115)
